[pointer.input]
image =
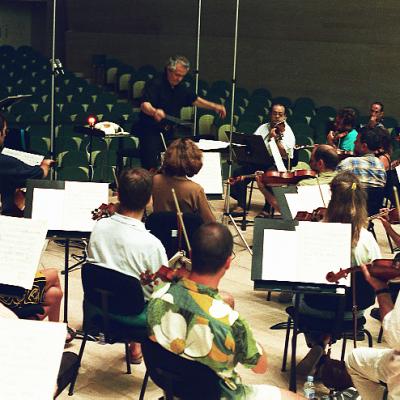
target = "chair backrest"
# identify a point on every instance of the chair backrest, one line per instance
(164, 226)
(126, 294)
(178, 376)
(375, 199)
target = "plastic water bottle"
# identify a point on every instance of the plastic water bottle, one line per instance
(309, 388)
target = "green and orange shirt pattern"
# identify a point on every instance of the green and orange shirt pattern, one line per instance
(193, 321)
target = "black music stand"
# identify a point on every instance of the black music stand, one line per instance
(67, 236)
(298, 288)
(90, 131)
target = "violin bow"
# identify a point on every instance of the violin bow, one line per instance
(320, 192)
(180, 218)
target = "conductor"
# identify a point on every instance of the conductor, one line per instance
(162, 96)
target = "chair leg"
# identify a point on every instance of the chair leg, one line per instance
(343, 347)
(269, 295)
(81, 350)
(369, 336)
(380, 335)
(144, 385)
(285, 350)
(128, 358)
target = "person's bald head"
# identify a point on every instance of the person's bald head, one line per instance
(324, 157)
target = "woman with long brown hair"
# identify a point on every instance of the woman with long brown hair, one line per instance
(182, 160)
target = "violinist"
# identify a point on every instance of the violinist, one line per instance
(14, 173)
(347, 205)
(182, 159)
(376, 114)
(343, 134)
(324, 161)
(277, 129)
(369, 367)
(368, 168)
(121, 242)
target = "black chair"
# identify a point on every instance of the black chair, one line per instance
(337, 327)
(114, 307)
(375, 197)
(178, 377)
(164, 225)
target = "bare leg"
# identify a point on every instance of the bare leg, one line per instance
(136, 350)
(52, 295)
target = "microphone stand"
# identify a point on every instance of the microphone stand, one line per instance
(227, 214)
(196, 71)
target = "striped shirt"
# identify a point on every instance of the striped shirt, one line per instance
(368, 168)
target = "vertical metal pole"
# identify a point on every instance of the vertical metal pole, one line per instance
(196, 71)
(228, 190)
(53, 74)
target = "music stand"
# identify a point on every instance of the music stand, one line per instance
(297, 287)
(90, 131)
(61, 234)
(252, 150)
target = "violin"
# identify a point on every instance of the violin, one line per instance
(316, 216)
(382, 269)
(279, 129)
(166, 274)
(342, 154)
(104, 211)
(276, 178)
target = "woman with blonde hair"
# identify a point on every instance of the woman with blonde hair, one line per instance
(348, 204)
(182, 160)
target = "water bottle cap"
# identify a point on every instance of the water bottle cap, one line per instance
(310, 378)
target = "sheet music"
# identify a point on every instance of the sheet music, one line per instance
(308, 198)
(398, 172)
(69, 209)
(31, 360)
(21, 244)
(210, 177)
(205, 144)
(276, 254)
(276, 155)
(48, 204)
(81, 199)
(27, 158)
(306, 254)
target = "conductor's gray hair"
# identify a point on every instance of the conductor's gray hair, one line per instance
(174, 60)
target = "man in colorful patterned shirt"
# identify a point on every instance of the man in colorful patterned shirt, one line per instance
(190, 318)
(368, 168)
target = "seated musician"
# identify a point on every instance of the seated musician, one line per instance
(376, 115)
(277, 129)
(343, 134)
(367, 167)
(121, 242)
(46, 292)
(324, 160)
(13, 175)
(369, 367)
(190, 319)
(347, 205)
(182, 159)
(384, 152)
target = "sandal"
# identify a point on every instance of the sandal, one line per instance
(263, 214)
(71, 333)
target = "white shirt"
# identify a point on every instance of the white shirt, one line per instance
(288, 139)
(123, 244)
(366, 250)
(391, 327)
